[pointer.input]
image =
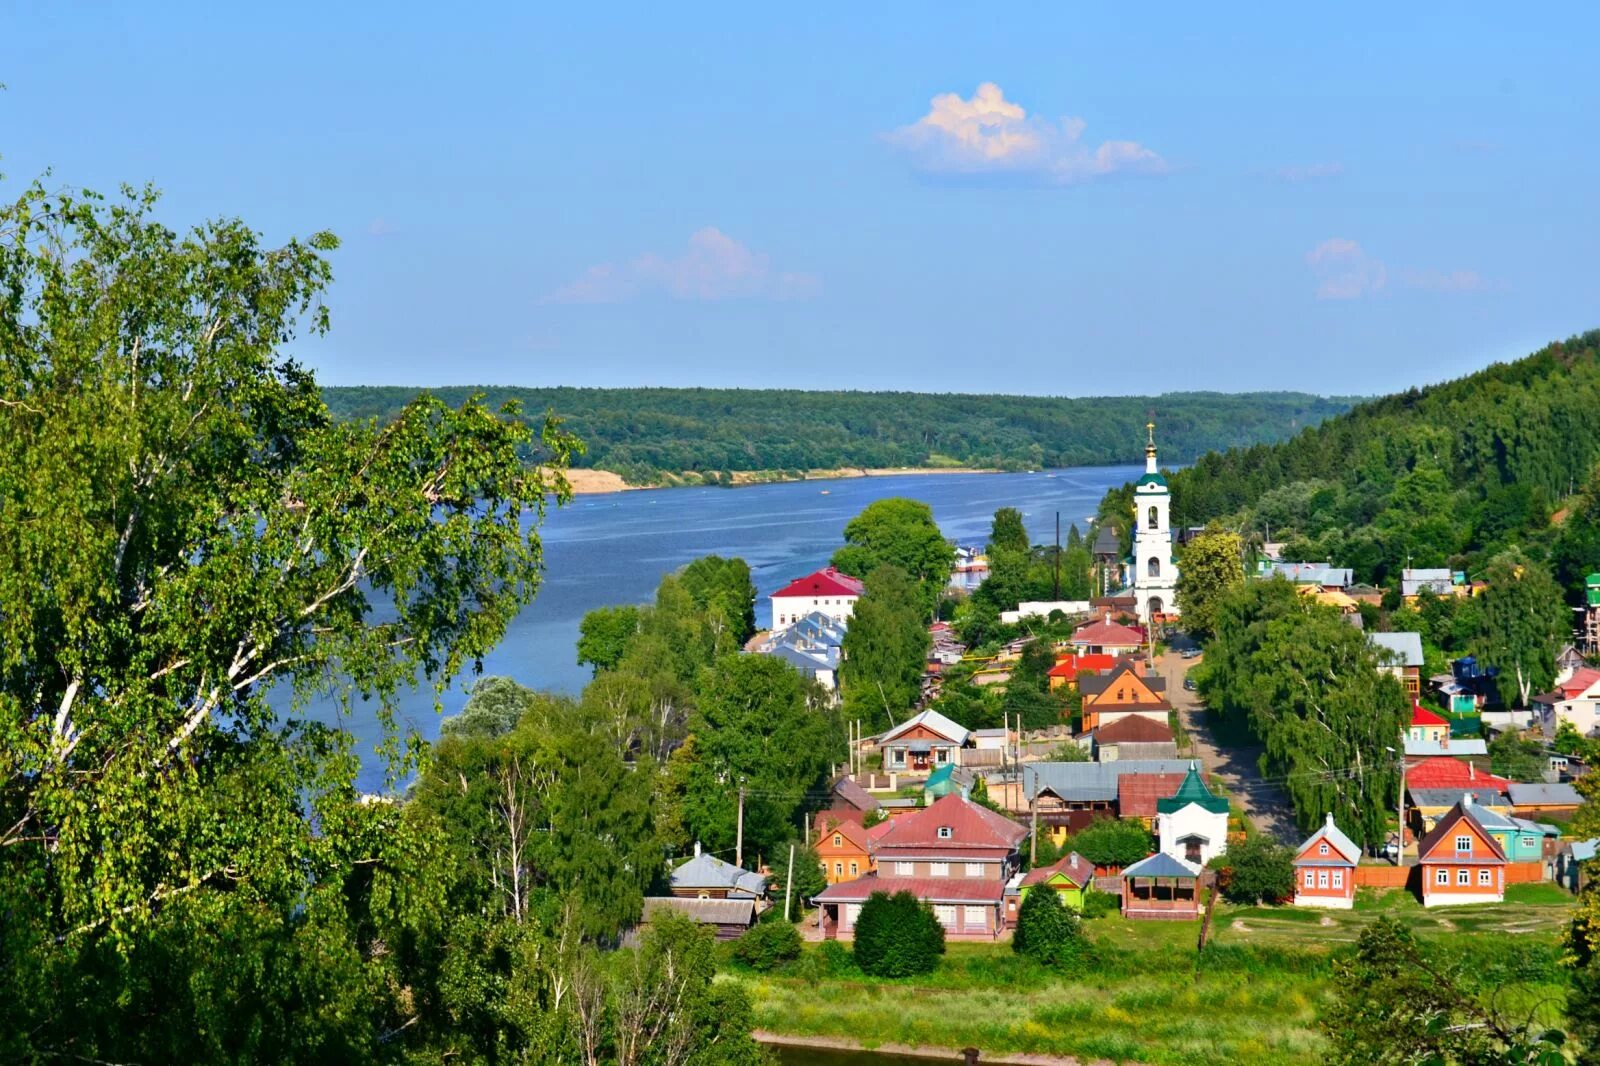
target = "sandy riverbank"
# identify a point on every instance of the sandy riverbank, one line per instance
(586, 482)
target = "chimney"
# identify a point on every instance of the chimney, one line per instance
(1472, 771)
(1466, 800)
(1329, 822)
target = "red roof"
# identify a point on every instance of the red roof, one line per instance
(1108, 634)
(970, 825)
(829, 581)
(1579, 681)
(1446, 771)
(931, 889)
(875, 833)
(1420, 715)
(1137, 793)
(1069, 666)
(1133, 729)
(1074, 867)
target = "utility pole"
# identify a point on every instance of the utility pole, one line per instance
(1400, 854)
(738, 847)
(1057, 596)
(788, 889)
(1033, 837)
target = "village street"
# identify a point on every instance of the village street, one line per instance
(1235, 766)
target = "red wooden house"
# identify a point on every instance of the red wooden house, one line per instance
(1461, 860)
(1325, 869)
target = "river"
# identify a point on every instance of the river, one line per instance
(607, 549)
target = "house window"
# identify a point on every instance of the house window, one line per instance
(938, 869)
(945, 832)
(1338, 879)
(1308, 878)
(1441, 876)
(838, 869)
(1322, 879)
(837, 840)
(974, 917)
(1463, 876)
(854, 869)
(974, 869)
(946, 915)
(1322, 849)
(1485, 878)
(897, 756)
(905, 869)
(1463, 843)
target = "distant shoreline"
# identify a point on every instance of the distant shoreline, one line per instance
(588, 482)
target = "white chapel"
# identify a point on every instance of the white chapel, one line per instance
(1155, 575)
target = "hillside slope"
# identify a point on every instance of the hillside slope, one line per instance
(1442, 475)
(643, 433)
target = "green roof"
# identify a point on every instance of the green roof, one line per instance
(942, 781)
(1193, 790)
(1152, 479)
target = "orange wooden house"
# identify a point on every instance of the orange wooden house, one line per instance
(1325, 869)
(1461, 860)
(844, 848)
(1111, 697)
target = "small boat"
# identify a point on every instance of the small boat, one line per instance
(824, 492)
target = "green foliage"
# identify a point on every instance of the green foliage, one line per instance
(493, 709)
(900, 533)
(1048, 931)
(1308, 685)
(1211, 568)
(1258, 870)
(885, 648)
(1098, 904)
(642, 433)
(723, 590)
(1522, 623)
(1007, 533)
(1113, 842)
(761, 725)
(1517, 758)
(808, 876)
(604, 636)
(897, 936)
(767, 946)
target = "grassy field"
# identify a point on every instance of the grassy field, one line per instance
(1254, 997)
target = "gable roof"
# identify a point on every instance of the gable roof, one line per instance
(970, 825)
(1442, 771)
(1461, 812)
(1193, 790)
(1074, 867)
(1420, 715)
(1444, 797)
(1404, 649)
(1458, 747)
(829, 581)
(1085, 782)
(1107, 634)
(1138, 794)
(1313, 574)
(1580, 681)
(1133, 729)
(954, 732)
(1071, 665)
(848, 791)
(704, 911)
(1526, 794)
(707, 871)
(1335, 837)
(847, 830)
(1106, 542)
(1098, 685)
(1161, 865)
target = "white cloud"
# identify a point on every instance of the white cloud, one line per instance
(1445, 280)
(1308, 172)
(714, 266)
(990, 134)
(1344, 271)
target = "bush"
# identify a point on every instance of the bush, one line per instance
(830, 960)
(1047, 930)
(1256, 870)
(1098, 904)
(768, 945)
(897, 936)
(1113, 842)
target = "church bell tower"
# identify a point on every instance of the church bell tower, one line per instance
(1155, 575)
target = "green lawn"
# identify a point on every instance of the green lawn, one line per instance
(1254, 997)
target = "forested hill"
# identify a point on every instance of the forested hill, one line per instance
(640, 433)
(1445, 474)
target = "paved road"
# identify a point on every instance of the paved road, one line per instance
(1237, 767)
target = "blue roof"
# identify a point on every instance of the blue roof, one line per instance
(1161, 865)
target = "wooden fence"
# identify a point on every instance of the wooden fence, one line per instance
(1517, 873)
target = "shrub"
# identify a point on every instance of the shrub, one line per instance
(768, 945)
(897, 936)
(1256, 870)
(1047, 930)
(1097, 904)
(1113, 842)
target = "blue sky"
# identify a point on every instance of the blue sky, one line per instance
(1041, 199)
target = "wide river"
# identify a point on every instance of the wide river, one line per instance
(608, 549)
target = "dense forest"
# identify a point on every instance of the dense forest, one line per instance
(1446, 475)
(641, 433)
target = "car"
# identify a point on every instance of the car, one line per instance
(1188, 684)
(1189, 653)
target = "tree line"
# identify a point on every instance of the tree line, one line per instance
(643, 433)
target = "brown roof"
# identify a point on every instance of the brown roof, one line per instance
(1074, 867)
(971, 826)
(854, 795)
(1137, 793)
(1104, 633)
(1445, 824)
(1133, 729)
(705, 911)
